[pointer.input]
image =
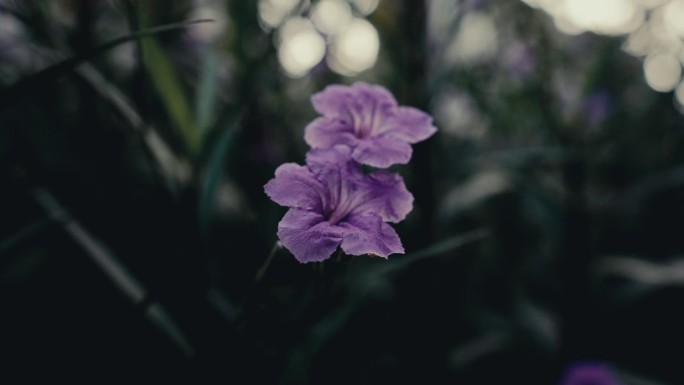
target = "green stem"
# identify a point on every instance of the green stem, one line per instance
(262, 270)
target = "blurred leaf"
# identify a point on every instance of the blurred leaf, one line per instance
(651, 274)
(114, 269)
(632, 378)
(467, 353)
(378, 280)
(206, 95)
(29, 231)
(22, 269)
(436, 249)
(537, 324)
(170, 90)
(214, 173)
(37, 81)
(175, 169)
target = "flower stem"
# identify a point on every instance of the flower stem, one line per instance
(262, 270)
(258, 277)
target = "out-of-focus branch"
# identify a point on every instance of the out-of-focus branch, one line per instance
(468, 353)
(54, 72)
(377, 280)
(633, 379)
(174, 169)
(643, 271)
(114, 270)
(438, 249)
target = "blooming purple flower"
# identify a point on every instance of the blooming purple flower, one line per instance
(333, 203)
(590, 373)
(367, 118)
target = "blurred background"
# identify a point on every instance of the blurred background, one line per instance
(136, 242)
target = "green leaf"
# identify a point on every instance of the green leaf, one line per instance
(215, 167)
(206, 94)
(165, 80)
(40, 79)
(435, 250)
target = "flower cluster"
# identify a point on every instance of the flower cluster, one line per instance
(332, 202)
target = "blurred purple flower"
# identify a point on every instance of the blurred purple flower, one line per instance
(520, 60)
(589, 373)
(367, 118)
(333, 203)
(598, 107)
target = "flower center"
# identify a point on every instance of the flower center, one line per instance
(342, 206)
(365, 119)
(337, 214)
(344, 199)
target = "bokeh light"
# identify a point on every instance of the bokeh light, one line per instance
(674, 16)
(273, 12)
(365, 7)
(662, 71)
(457, 115)
(476, 39)
(355, 48)
(655, 30)
(650, 3)
(679, 94)
(9, 26)
(640, 42)
(663, 38)
(301, 47)
(209, 31)
(613, 17)
(306, 31)
(331, 16)
(441, 16)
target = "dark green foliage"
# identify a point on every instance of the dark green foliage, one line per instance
(543, 233)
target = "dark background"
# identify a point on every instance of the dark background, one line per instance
(546, 228)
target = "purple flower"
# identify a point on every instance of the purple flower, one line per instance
(333, 203)
(367, 118)
(589, 373)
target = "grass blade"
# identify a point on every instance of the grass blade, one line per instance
(214, 172)
(115, 271)
(52, 73)
(206, 95)
(174, 169)
(163, 74)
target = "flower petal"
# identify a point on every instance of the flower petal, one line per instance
(408, 124)
(353, 192)
(382, 151)
(385, 195)
(368, 234)
(332, 101)
(308, 236)
(338, 101)
(372, 96)
(327, 132)
(320, 160)
(296, 186)
(341, 175)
